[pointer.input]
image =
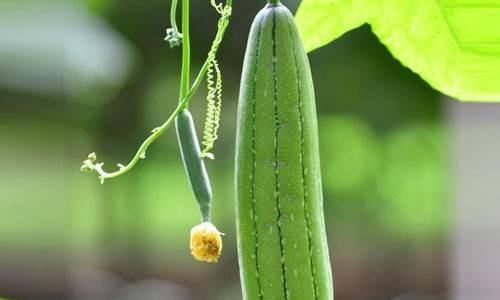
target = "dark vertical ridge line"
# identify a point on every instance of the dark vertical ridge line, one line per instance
(254, 160)
(276, 153)
(302, 144)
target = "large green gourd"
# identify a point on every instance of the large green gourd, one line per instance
(281, 233)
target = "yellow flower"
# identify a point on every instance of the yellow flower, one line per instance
(206, 242)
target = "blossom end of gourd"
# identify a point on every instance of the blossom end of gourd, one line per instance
(206, 242)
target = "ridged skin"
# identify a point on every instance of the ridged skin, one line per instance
(282, 244)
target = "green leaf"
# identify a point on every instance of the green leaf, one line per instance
(454, 45)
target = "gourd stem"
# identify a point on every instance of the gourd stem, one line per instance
(273, 1)
(186, 93)
(186, 52)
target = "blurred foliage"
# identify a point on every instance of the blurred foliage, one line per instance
(351, 155)
(415, 181)
(383, 150)
(405, 172)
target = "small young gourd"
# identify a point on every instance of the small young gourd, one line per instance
(281, 232)
(193, 163)
(205, 242)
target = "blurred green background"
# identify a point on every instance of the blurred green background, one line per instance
(81, 77)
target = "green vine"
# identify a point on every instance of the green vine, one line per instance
(214, 96)
(214, 103)
(175, 38)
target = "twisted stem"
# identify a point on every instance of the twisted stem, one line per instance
(186, 94)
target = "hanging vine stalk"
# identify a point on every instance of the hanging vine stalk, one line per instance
(174, 37)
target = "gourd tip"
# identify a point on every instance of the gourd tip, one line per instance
(206, 242)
